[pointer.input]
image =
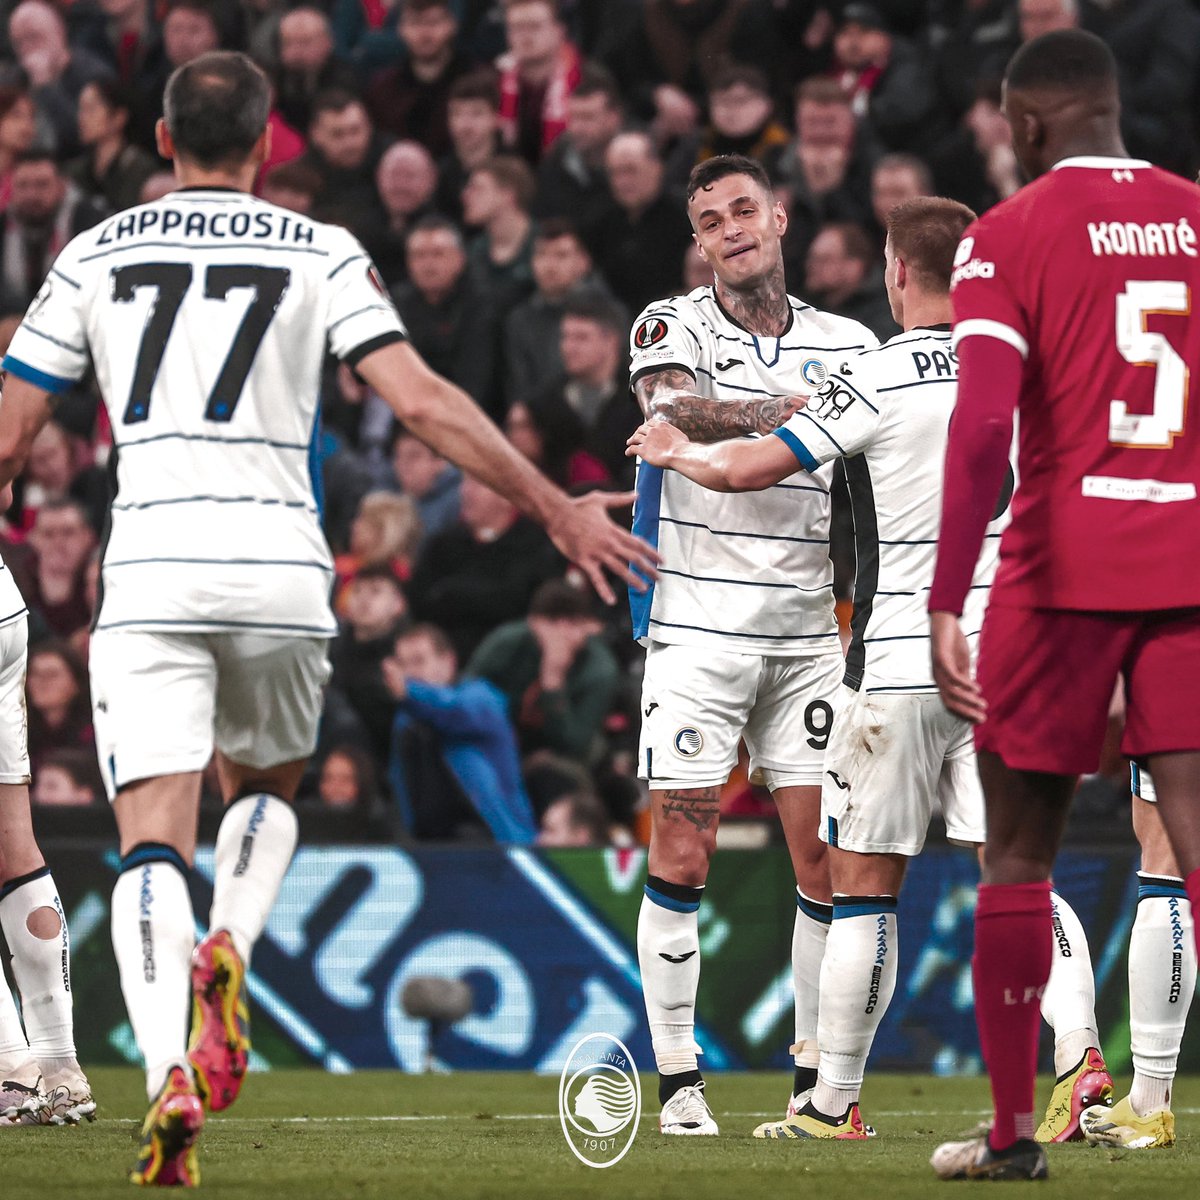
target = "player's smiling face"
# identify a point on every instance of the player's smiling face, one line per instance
(738, 227)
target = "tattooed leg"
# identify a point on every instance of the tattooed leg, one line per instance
(683, 833)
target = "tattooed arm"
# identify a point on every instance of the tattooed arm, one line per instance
(669, 395)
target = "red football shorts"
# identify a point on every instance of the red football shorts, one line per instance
(1048, 677)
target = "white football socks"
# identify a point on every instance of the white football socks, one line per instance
(858, 980)
(255, 844)
(668, 943)
(14, 1049)
(1069, 1001)
(153, 935)
(41, 966)
(1162, 981)
(808, 951)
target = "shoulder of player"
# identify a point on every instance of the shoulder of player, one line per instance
(831, 331)
(681, 307)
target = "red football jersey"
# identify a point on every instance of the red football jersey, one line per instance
(1093, 272)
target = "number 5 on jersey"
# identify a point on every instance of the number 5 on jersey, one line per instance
(171, 282)
(1156, 430)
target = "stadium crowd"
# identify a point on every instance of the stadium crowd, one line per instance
(515, 169)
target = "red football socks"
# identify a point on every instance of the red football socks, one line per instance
(1013, 952)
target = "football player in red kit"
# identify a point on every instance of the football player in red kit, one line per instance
(1073, 303)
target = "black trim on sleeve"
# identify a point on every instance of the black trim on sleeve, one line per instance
(866, 573)
(355, 356)
(642, 372)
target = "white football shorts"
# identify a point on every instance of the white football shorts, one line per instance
(14, 726)
(162, 701)
(893, 761)
(698, 703)
(1141, 785)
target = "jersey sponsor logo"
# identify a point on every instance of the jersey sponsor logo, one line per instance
(1155, 239)
(975, 269)
(688, 742)
(814, 372)
(845, 787)
(832, 400)
(649, 333)
(728, 363)
(963, 254)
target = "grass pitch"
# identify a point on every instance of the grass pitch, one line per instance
(299, 1134)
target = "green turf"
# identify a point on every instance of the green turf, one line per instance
(465, 1146)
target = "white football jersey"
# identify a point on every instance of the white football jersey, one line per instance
(12, 603)
(747, 572)
(887, 415)
(207, 315)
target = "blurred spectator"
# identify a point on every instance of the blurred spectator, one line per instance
(594, 386)
(971, 41)
(977, 163)
(454, 768)
(664, 51)
(429, 481)
(553, 440)
(131, 42)
(482, 571)
(741, 120)
(578, 819)
(571, 181)
(560, 264)
(367, 32)
(555, 671)
(347, 779)
(345, 150)
(67, 778)
(638, 246)
(409, 99)
(60, 716)
(160, 184)
(111, 167)
(1045, 16)
(56, 71)
(292, 185)
(895, 179)
(385, 532)
(63, 539)
(826, 169)
(888, 80)
(844, 278)
(538, 73)
(406, 180)
(189, 30)
(374, 611)
(18, 129)
(473, 122)
(308, 66)
(496, 201)
(1157, 47)
(447, 314)
(44, 213)
(59, 468)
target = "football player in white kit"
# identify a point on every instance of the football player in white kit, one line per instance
(207, 316)
(40, 1079)
(739, 628)
(895, 754)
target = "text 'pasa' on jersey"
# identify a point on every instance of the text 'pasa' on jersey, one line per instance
(747, 572)
(887, 416)
(207, 315)
(1092, 273)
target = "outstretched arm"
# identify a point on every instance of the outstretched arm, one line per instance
(24, 409)
(744, 465)
(670, 395)
(448, 420)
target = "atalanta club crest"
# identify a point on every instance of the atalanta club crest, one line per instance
(649, 333)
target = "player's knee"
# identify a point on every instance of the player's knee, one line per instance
(44, 923)
(683, 860)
